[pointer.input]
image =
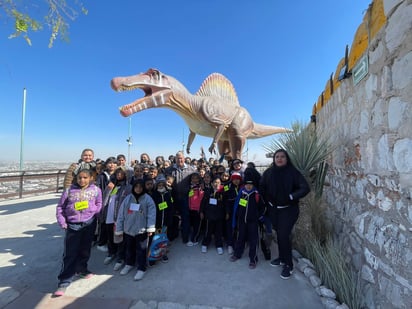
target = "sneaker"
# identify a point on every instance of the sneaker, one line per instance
(195, 243)
(233, 258)
(165, 259)
(118, 265)
(139, 275)
(252, 265)
(276, 262)
(85, 275)
(126, 269)
(204, 249)
(286, 272)
(108, 260)
(189, 244)
(59, 292)
(102, 248)
(230, 250)
(219, 250)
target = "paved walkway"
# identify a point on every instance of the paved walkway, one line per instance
(31, 245)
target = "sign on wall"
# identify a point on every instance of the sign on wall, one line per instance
(360, 70)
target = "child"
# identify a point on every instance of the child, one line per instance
(136, 222)
(164, 208)
(195, 198)
(113, 198)
(248, 209)
(76, 213)
(213, 210)
(229, 196)
(173, 228)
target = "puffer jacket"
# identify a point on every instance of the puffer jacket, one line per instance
(78, 205)
(137, 222)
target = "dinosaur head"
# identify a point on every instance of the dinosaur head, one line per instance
(155, 85)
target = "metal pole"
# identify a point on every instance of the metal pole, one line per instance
(129, 142)
(22, 129)
(183, 141)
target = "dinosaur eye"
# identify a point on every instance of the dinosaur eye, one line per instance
(155, 74)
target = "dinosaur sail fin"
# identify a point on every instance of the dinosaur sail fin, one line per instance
(216, 85)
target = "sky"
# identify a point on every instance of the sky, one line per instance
(278, 56)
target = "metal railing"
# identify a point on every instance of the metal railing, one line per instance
(16, 184)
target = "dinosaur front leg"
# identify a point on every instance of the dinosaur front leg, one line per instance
(190, 140)
(216, 138)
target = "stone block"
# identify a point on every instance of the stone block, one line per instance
(402, 155)
(315, 281)
(396, 113)
(401, 69)
(398, 27)
(367, 274)
(329, 303)
(325, 292)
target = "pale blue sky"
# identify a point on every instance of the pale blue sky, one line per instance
(277, 54)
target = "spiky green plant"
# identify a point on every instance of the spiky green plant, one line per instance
(307, 151)
(335, 272)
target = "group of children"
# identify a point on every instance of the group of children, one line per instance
(129, 210)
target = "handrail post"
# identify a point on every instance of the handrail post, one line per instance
(57, 182)
(21, 184)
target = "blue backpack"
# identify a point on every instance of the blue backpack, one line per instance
(158, 247)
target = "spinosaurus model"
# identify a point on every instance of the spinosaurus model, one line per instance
(213, 111)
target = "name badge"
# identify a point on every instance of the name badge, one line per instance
(162, 205)
(134, 207)
(213, 201)
(191, 193)
(243, 202)
(81, 205)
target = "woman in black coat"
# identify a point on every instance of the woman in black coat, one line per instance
(282, 185)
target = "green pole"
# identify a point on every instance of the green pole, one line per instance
(23, 116)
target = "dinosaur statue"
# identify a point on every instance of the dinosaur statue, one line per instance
(213, 111)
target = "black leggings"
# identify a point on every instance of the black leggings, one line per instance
(286, 219)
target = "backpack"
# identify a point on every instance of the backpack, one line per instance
(158, 247)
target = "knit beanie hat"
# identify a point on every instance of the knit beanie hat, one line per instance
(236, 175)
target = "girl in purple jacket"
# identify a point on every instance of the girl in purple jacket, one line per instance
(76, 213)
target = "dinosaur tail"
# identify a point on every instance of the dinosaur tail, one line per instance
(260, 130)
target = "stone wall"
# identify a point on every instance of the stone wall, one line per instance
(370, 179)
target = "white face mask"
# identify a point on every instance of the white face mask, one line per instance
(161, 190)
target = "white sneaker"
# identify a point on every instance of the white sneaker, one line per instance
(102, 248)
(204, 249)
(108, 260)
(117, 266)
(219, 250)
(139, 275)
(195, 243)
(189, 244)
(126, 269)
(230, 250)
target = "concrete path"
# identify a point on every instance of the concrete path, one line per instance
(31, 245)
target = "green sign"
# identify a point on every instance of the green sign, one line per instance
(360, 70)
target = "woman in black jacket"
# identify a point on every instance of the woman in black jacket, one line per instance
(282, 185)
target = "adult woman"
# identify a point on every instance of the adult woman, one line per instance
(282, 185)
(86, 161)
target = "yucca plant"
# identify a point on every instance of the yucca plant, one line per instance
(335, 272)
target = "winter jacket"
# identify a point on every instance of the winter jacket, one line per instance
(164, 208)
(133, 222)
(78, 205)
(248, 207)
(294, 186)
(212, 205)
